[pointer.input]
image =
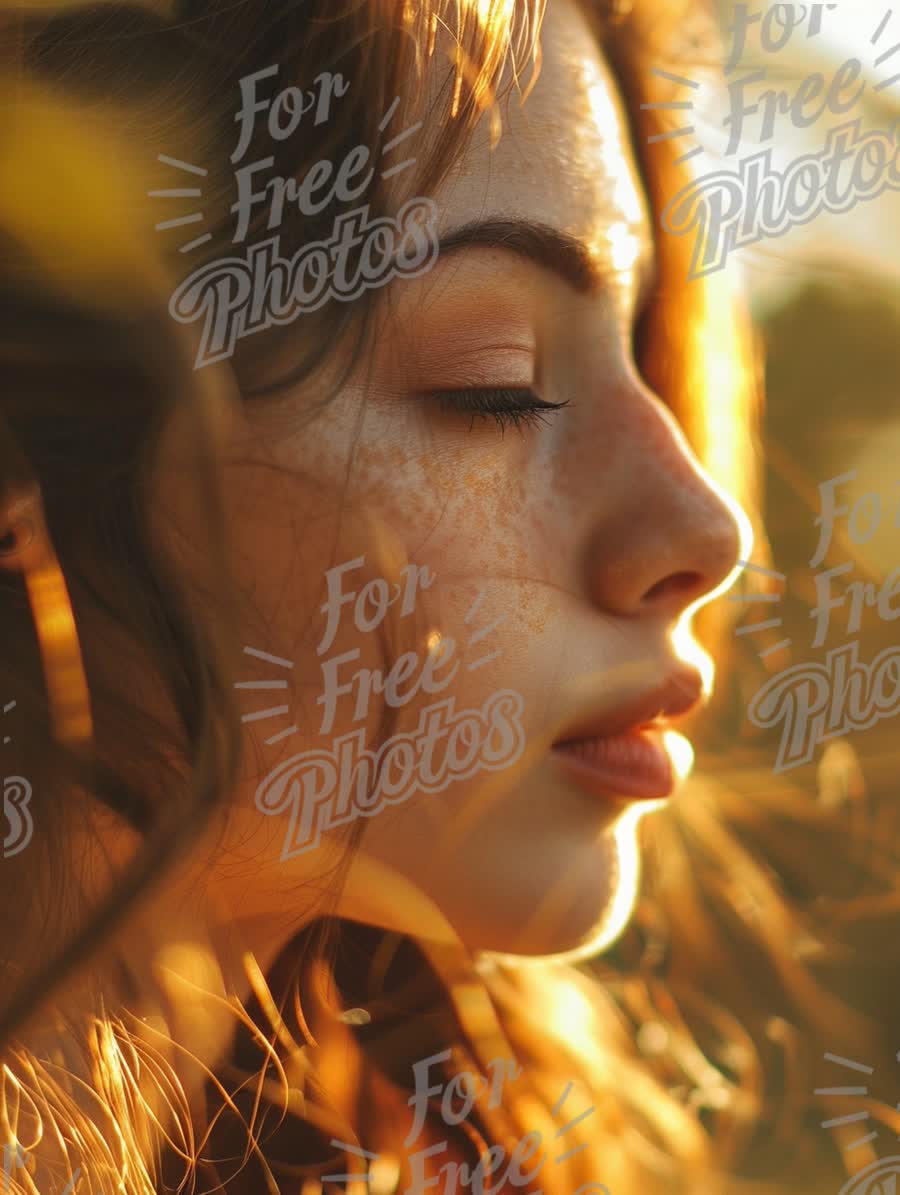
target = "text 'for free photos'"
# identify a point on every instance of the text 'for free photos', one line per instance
(235, 296)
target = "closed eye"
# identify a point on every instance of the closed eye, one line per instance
(516, 406)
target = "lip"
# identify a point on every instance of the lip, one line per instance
(623, 754)
(635, 765)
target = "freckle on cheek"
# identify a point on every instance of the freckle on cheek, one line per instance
(476, 483)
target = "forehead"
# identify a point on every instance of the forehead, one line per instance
(564, 158)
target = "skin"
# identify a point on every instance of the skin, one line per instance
(587, 537)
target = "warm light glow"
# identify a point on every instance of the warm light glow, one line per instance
(626, 893)
(492, 13)
(723, 381)
(600, 149)
(610, 149)
(681, 752)
(384, 1176)
(433, 640)
(58, 637)
(624, 896)
(570, 1013)
(686, 646)
(625, 247)
(688, 649)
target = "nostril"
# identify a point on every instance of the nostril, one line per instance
(676, 585)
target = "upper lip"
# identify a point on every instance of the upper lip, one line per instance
(681, 693)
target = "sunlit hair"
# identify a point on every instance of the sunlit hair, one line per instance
(657, 1037)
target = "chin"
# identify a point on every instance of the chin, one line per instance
(536, 915)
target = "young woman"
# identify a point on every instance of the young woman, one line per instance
(353, 525)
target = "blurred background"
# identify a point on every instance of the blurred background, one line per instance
(825, 298)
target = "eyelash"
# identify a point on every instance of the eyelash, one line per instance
(517, 406)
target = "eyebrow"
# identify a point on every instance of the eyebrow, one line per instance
(550, 248)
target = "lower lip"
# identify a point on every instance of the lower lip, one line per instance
(635, 765)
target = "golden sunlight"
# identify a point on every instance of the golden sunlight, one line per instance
(492, 12)
(681, 751)
(433, 640)
(611, 150)
(624, 246)
(571, 1012)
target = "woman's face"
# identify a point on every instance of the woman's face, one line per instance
(536, 570)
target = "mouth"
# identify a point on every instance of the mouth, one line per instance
(625, 754)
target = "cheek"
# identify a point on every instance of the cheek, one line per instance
(478, 504)
(285, 532)
(346, 634)
(476, 520)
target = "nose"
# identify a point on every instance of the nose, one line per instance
(663, 536)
